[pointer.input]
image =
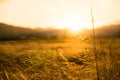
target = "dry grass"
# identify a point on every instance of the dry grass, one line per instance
(57, 60)
(108, 58)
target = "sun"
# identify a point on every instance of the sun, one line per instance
(73, 24)
(50, 15)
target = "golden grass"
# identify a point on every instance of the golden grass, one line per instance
(57, 60)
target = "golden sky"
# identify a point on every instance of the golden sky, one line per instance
(73, 14)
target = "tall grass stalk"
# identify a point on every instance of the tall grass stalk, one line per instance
(6, 74)
(110, 58)
(94, 42)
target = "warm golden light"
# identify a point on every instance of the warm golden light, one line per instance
(73, 24)
(2, 0)
(70, 14)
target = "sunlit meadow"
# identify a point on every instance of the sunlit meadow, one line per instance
(59, 60)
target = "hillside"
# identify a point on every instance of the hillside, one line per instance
(108, 31)
(13, 32)
(103, 31)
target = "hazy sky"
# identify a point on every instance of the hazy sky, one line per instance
(59, 13)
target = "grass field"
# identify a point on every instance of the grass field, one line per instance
(59, 60)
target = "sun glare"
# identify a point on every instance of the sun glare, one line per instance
(35, 15)
(56, 13)
(74, 25)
